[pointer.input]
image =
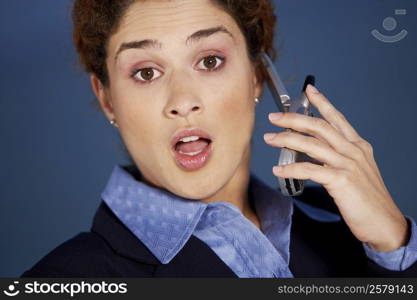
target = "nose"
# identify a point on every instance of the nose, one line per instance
(183, 99)
(183, 109)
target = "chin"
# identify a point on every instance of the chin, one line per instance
(200, 188)
(198, 191)
(206, 182)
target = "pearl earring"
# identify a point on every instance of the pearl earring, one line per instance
(256, 100)
(113, 122)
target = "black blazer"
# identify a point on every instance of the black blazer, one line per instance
(317, 249)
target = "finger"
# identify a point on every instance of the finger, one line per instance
(305, 171)
(319, 128)
(331, 114)
(309, 145)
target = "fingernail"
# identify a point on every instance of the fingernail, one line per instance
(275, 116)
(269, 136)
(312, 89)
(277, 169)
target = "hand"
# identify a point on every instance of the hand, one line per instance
(349, 172)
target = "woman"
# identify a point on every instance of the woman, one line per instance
(180, 80)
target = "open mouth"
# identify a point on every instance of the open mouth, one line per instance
(192, 148)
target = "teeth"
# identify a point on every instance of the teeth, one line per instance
(190, 153)
(189, 139)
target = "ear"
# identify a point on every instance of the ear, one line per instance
(258, 86)
(102, 96)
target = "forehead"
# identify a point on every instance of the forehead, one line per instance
(170, 21)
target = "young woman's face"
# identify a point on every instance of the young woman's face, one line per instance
(182, 81)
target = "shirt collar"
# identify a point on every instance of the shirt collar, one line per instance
(275, 213)
(164, 222)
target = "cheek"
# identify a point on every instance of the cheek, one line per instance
(131, 108)
(140, 124)
(238, 105)
(237, 114)
(241, 96)
(238, 102)
(137, 122)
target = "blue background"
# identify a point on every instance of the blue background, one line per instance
(57, 151)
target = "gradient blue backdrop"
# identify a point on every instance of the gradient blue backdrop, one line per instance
(57, 151)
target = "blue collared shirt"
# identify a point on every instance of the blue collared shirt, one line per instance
(164, 222)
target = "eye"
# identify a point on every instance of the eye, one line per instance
(146, 75)
(211, 62)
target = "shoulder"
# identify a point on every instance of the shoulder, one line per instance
(322, 244)
(316, 216)
(85, 255)
(77, 256)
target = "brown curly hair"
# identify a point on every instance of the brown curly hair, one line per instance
(96, 20)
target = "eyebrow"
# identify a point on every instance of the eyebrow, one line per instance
(149, 43)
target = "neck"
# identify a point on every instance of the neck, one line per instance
(236, 191)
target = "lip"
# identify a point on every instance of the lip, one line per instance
(194, 162)
(189, 132)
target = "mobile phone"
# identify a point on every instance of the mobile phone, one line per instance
(284, 103)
